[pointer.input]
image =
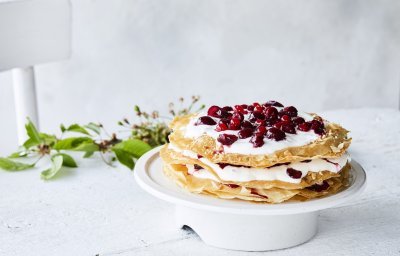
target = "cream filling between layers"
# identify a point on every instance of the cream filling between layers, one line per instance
(244, 174)
(243, 146)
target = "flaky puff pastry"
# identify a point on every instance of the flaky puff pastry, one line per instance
(179, 174)
(172, 157)
(333, 144)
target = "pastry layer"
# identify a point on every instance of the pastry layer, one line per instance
(308, 146)
(179, 173)
(226, 172)
(275, 176)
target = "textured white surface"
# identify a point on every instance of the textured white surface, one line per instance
(100, 210)
(305, 52)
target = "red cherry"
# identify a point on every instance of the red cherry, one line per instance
(271, 113)
(286, 118)
(293, 173)
(257, 141)
(258, 108)
(288, 128)
(221, 126)
(261, 130)
(227, 108)
(240, 109)
(245, 133)
(275, 134)
(298, 120)
(234, 124)
(247, 124)
(205, 120)
(305, 127)
(319, 187)
(273, 103)
(290, 111)
(227, 139)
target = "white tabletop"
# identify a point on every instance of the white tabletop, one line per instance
(100, 210)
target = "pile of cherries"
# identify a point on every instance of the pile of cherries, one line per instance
(257, 121)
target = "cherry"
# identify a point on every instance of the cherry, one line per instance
(240, 109)
(197, 167)
(273, 103)
(227, 108)
(205, 120)
(279, 124)
(270, 123)
(221, 126)
(227, 139)
(256, 104)
(286, 118)
(250, 108)
(258, 108)
(305, 127)
(247, 124)
(222, 165)
(253, 191)
(234, 124)
(319, 187)
(258, 115)
(232, 185)
(245, 133)
(271, 113)
(298, 120)
(290, 111)
(261, 130)
(288, 128)
(293, 173)
(257, 141)
(214, 111)
(275, 134)
(238, 115)
(259, 122)
(318, 127)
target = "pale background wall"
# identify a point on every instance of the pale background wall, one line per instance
(317, 55)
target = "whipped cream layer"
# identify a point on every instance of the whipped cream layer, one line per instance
(278, 172)
(242, 146)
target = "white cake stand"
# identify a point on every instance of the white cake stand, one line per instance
(241, 225)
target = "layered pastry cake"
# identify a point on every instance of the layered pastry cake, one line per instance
(263, 152)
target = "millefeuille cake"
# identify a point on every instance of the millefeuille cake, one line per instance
(259, 152)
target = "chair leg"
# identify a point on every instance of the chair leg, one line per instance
(25, 99)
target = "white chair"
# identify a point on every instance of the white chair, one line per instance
(32, 32)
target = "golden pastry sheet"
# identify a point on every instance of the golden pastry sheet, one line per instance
(333, 144)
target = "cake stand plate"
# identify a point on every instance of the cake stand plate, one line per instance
(237, 224)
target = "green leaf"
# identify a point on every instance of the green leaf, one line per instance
(73, 143)
(33, 134)
(68, 161)
(77, 128)
(18, 154)
(10, 165)
(124, 158)
(93, 127)
(56, 164)
(134, 147)
(62, 128)
(48, 139)
(88, 154)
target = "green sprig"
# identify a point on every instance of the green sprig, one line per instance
(151, 131)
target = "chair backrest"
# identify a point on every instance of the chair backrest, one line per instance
(34, 32)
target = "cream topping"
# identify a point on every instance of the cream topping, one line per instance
(242, 146)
